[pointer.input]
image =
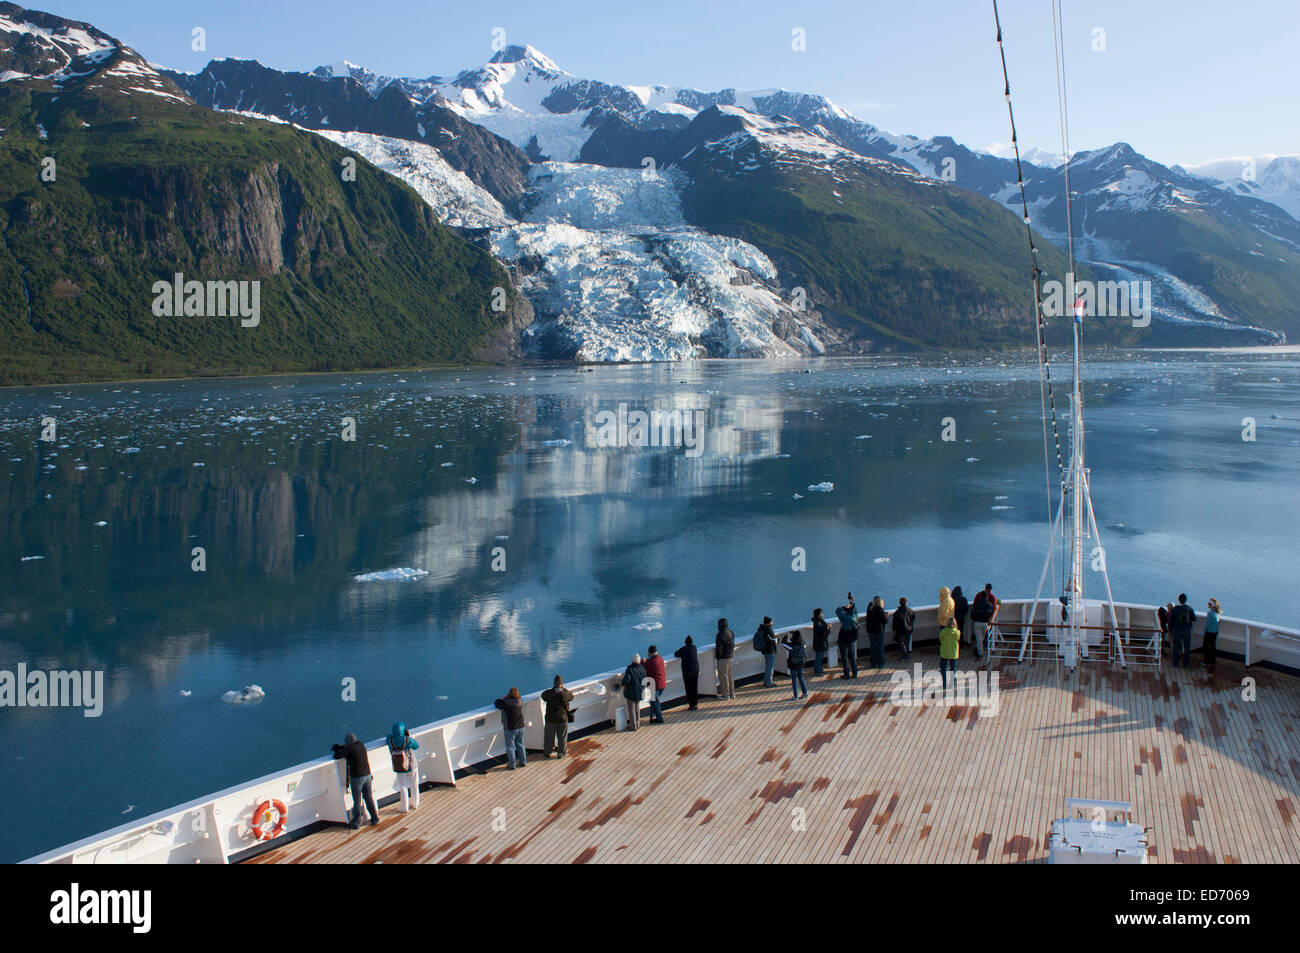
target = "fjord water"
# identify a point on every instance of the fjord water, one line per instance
(453, 471)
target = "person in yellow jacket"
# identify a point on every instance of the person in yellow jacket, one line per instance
(949, 636)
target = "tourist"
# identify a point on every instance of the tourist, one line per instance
(821, 643)
(1162, 616)
(1210, 643)
(634, 691)
(400, 746)
(877, 619)
(847, 642)
(513, 724)
(555, 731)
(654, 668)
(358, 779)
(690, 672)
(949, 648)
(794, 662)
(724, 646)
(904, 620)
(960, 608)
(983, 613)
(1181, 620)
(765, 644)
(947, 610)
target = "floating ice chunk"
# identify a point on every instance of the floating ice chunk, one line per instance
(129, 807)
(82, 467)
(1001, 506)
(131, 450)
(472, 480)
(863, 436)
(972, 459)
(27, 559)
(1153, 430)
(1000, 498)
(249, 693)
(823, 487)
(385, 575)
(881, 559)
(204, 464)
(101, 523)
(556, 443)
(441, 698)
(186, 693)
(495, 538)
(798, 496)
(648, 626)
(446, 464)
(782, 456)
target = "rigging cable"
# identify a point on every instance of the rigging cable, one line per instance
(1047, 399)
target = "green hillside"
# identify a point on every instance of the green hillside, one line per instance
(913, 263)
(353, 274)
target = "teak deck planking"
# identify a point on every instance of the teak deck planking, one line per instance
(1215, 777)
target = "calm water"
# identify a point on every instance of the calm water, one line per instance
(596, 540)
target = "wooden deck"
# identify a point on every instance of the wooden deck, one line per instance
(1216, 777)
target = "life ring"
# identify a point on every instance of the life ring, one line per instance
(259, 815)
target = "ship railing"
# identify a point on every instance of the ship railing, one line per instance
(217, 828)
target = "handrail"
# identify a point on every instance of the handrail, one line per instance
(214, 828)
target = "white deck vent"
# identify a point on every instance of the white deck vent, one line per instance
(1096, 832)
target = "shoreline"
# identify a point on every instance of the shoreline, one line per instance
(1246, 350)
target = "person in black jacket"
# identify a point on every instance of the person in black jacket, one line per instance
(690, 672)
(360, 780)
(960, 608)
(1181, 620)
(724, 646)
(821, 640)
(633, 683)
(847, 642)
(904, 620)
(512, 726)
(555, 732)
(765, 642)
(877, 619)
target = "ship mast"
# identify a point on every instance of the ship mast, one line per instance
(1077, 526)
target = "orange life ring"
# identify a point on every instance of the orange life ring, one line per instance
(260, 814)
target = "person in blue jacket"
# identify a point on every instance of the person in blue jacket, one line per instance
(402, 748)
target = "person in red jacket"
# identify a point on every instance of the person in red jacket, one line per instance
(654, 668)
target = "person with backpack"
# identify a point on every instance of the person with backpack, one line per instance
(654, 668)
(765, 645)
(1181, 620)
(690, 672)
(359, 779)
(555, 730)
(904, 620)
(877, 619)
(633, 691)
(401, 747)
(724, 647)
(847, 642)
(821, 643)
(512, 726)
(1210, 643)
(795, 658)
(960, 608)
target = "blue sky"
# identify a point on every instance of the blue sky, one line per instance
(1181, 80)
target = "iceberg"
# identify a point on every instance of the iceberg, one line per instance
(385, 575)
(824, 487)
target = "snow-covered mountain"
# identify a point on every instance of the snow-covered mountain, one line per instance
(1269, 178)
(1223, 257)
